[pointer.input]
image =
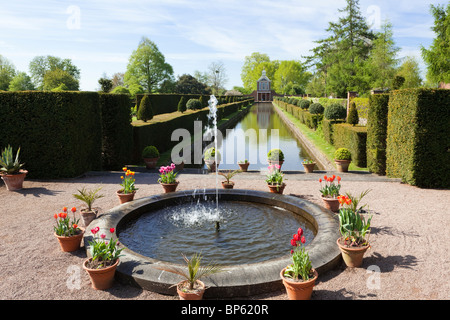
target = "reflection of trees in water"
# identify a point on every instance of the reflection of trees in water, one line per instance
(263, 116)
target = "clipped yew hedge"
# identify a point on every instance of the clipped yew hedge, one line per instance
(328, 129)
(65, 134)
(158, 132)
(418, 137)
(377, 133)
(59, 133)
(117, 132)
(168, 103)
(353, 138)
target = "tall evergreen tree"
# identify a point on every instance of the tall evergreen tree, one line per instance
(382, 62)
(437, 56)
(341, 56)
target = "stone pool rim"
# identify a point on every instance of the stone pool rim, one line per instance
(235, 280)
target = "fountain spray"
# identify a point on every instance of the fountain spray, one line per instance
(213, 116)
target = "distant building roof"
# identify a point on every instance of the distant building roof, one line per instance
(264, 77)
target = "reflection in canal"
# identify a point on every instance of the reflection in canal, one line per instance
(252, 138)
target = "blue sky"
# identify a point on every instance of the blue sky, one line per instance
(99, 36)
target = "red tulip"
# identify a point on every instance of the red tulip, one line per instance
(325, 177)
(73, 209)
(65, 209)
(75, 226)
(103, 236)
(111, 230)
(295, 237)
(302, 240)
(300, 232)
(55, 216)
(320, 180)
(293, 242)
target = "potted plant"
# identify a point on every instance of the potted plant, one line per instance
(192, 288)
(210, 159)
(228, 184)
(67, 232)
(167, 178)
(150, 154)
(104, 258)
(275, 156)
(88, 197)
(330, 192)
(354, 230)
(128, 190)
(308, 165)
(299, 278)
(275, 179)
(342, 159)
(243, 165)
(10, 170)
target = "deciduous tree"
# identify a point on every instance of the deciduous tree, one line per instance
(147, 67)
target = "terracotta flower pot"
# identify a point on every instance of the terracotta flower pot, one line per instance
(14, 182)
(342, 165)
(352, 256)
(101, 279)
(70, 244)
(169, 187)
(331, 203)
(244, 166)
(227, 185)
(197, 294)
(274, 188)
(125, 197)
(299, 290)
(88, 215)
(150, 163)
(309, 167)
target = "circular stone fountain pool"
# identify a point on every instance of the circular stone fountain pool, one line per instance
(252, 242)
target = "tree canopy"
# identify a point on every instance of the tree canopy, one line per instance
(147, 67)
(41, 65)
(437, 57)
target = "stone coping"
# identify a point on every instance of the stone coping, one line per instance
(236, 280)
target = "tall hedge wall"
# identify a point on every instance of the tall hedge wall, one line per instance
(328, 129)
(65, 134)
(418, 140)
(353, 138)
(117, 132)
(377, 133)
(59, 133)
(158, 133)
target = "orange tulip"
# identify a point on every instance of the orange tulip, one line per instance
(65, 209)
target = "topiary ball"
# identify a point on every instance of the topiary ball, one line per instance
(335, 111)
(316, 108)
(342, 154)
(194, 104)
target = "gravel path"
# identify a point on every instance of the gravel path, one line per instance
(409, 258)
